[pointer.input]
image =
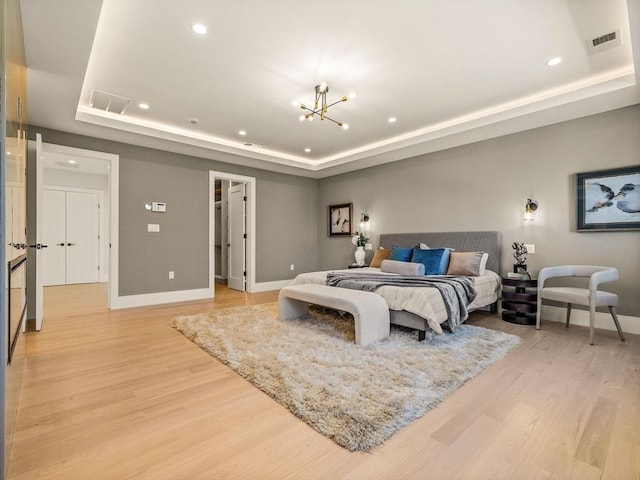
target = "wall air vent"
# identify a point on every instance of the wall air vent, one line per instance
(109, 102)
(604, 42)
(255, 145)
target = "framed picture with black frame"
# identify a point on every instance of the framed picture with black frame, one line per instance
(608, 200)
(340, 219)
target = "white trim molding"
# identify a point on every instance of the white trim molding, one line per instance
(146, 299)
(551, 313)
(269, 286)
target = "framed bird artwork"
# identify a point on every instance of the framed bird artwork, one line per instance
(608, 200)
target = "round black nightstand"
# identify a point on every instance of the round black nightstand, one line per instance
(519, 300)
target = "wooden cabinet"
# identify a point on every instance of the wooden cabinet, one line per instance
(519, 300)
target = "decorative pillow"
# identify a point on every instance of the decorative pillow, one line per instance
(471, 264)
(404, 268)
(435, 260)
(380, 255)
(401, 254)
(423, 246)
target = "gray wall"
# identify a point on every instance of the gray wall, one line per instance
(285, 216)
(484, 186)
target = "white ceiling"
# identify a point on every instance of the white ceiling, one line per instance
(451, 72)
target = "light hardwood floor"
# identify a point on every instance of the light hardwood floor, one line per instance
(122, 395)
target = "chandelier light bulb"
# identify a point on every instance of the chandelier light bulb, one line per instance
(345, 126)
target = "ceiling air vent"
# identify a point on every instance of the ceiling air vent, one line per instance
(251, 144)
(604, 42)
(109, 102)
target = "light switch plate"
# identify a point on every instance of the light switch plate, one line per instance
(531, 247)
(153, 227)
(368, 246)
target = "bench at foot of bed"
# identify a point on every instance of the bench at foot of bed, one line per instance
(370, 311)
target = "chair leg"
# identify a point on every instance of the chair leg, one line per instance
(592, 321)
(615, 320)
(568, 314)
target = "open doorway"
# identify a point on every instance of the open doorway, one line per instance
(76, 228)
(233, 226)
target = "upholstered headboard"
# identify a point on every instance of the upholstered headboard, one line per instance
(489, 242)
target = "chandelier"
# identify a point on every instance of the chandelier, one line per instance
(320, 106)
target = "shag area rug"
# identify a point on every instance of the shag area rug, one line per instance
(356, 395)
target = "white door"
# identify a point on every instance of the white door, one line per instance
(8, 224)
(83, 237)
(54, 221)
(39, 228)
(237, 237)
(72, 231)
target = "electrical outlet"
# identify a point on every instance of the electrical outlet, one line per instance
(368, 246)
(172, 275)
(292, 267)
(531, 247)
(153, 227)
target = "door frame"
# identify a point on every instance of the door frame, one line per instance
(103, 244)
(250, 182)
(114, 204)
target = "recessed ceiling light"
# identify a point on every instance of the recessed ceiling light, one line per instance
(71, 162)
(392, 120)
(144, 106)
(553, 61)
(308, 150)
(199, 28)
(242, 132)
(193, 120)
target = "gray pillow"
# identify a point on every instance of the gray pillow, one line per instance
(403, 268)
(471, 264)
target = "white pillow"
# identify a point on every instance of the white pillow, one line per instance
(403, 268)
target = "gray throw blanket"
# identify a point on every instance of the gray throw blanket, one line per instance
(457, 292)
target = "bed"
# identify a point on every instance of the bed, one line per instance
(422, 308)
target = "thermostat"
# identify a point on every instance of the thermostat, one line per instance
(158, 207)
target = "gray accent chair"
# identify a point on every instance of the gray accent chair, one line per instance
(590, 297)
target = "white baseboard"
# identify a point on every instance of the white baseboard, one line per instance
(581, 317)
(143, 300)
(268, 286)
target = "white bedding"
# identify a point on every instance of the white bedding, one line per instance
(424, 302)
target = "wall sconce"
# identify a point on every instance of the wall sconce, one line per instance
(364, 221)
(529, 210)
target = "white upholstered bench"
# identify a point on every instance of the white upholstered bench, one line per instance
(370, 311)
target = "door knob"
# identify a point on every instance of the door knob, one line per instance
(60, 244)
(70, 244)
(38, 246)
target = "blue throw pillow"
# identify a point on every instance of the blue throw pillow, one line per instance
(435, 260)
(401, 254)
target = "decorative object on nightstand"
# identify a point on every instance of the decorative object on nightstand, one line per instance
(519, 302)
(520, 255)
(359, 240)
